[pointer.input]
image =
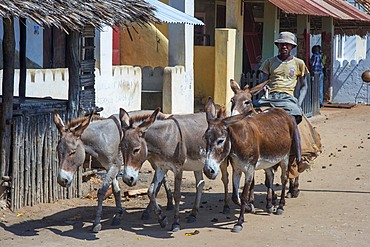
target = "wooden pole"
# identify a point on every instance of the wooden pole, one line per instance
(72, 59)
(22, 58)
(7, 98)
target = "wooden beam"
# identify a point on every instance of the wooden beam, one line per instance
(22, 58)
(7, 97)
(72, 60)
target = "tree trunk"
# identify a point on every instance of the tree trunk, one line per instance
(7, 98)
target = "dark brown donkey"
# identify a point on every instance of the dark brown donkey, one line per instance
(253, 142)
(241, 103)
(174, 143)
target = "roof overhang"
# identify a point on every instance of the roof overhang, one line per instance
(347, 18)
(168, 14)
(338, 9)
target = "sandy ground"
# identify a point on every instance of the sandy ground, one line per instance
(332, 209)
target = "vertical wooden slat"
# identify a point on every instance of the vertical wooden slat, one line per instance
(33, 159)
(40, 142)
(15, 177)
(27, 162)
(57, 190)
(46, 161)
(21, 139)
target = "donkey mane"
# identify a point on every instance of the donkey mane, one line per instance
(77, 121)
(140, 118)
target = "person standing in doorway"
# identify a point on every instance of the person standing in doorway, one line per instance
(285, 72)
(316, 65)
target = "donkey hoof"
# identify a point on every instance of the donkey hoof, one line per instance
(170, 207)
(116, 221)
(191, 219)
(269, 210)
(250, 209)
(175, 227)
(237, 228)
(279, 211)
(295, 193)
(96, 228)
(226, 210)
(235, 200)
(163, 222)
(145, 216)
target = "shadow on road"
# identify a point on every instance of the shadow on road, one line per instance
(81, 219)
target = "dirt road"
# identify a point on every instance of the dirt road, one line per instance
(332, 209)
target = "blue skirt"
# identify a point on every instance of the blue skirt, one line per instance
(283, 100)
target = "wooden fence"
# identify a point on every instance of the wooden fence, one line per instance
(310, 105)
(33, 168)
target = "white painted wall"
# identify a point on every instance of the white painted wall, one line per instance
(181, 53)
(121, 89)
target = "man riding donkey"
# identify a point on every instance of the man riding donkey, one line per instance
(284, 71)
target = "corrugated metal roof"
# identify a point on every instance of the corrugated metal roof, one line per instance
(169, 14)
(338, 9)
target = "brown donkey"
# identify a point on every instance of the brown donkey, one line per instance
(242, 103)
(253, 142)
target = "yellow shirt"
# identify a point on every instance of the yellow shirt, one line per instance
(284, 74)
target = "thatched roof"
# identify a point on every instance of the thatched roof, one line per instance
(75, 14)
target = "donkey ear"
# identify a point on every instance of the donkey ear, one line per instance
(144, 126)
(221, 113)
(233, 119)
(59, 122)
(81, 128)
(234, 86)
(255, 90)
(210, 109)
(124, 118)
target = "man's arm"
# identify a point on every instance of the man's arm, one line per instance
(303, 89)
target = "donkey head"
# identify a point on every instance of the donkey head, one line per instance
(133, 145)
(242, 101)
(218, 143)
(71, 151)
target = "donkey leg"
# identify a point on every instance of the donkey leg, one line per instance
(167, 187)
(249, 174)
(293, 188)
(269, 181)
(117, 197)
(200, 184)
(237, 174)
(148, 209)
(225, 181)
(250, 203)
(177, 197)
(284, 180)
(158, 177)
(112, 173)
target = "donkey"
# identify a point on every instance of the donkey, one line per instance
(101, 140)
(174, 143)
(242, 103)
(255, 142)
